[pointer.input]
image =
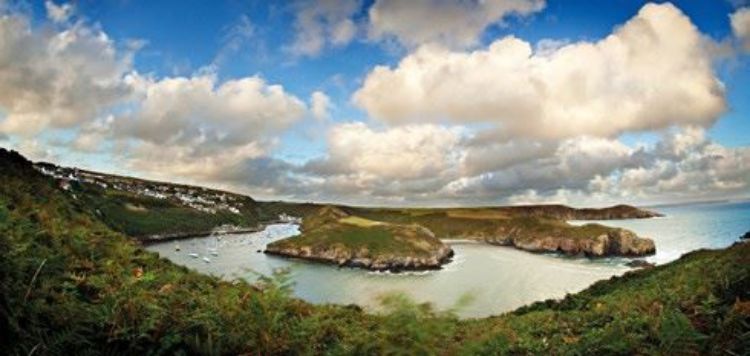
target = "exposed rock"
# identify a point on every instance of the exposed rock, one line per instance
(617, 242)
(640, 264)
(343, 257)
(745, 236)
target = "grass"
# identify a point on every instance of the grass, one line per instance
(332, 228)
(360, 222)
(69, 284)
(480, 224)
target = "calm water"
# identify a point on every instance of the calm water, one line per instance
(496, 279)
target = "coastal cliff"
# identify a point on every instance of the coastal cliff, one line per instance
(343, 256)
(615, 242)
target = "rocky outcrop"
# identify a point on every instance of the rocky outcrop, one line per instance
(746, 236)
(340, 255)
(640, 264)
(615, 242)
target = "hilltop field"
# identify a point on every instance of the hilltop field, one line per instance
(69, 284)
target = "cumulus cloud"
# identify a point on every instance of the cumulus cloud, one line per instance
(73, 77)
(58, 13)
(431, 164)
(413, 151)
(56, 79)
(740, 21)
(320, 105)
(197, 128)
(683, 166)
(198, 110)
(321, 23)
(449, 22)
(651, 73)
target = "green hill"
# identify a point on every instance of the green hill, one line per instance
(69, 284)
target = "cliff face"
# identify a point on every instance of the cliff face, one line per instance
(343, 256)
(616, 242)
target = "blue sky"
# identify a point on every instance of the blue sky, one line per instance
(232, 40)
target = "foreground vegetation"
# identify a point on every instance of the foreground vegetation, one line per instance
(71, 285)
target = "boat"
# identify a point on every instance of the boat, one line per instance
(206, 259)
(193, 255)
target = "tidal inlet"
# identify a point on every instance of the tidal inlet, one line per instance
(384, 177)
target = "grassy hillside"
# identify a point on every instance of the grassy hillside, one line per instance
(331, 235)
(151, 210)
(71, 285)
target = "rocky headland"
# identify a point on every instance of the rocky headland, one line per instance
(618, 242)
(333, 236)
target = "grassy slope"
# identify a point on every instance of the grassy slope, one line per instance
(97, 292)
(331, 227)
(143, 216)
(480, 223)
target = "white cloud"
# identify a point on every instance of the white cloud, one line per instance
(407, 152)
(430, 164)
(58, 13)
(650, 73)
(452, 23)
(320, 105)
(321, 23)
(194, 127)
(740, 20)
(56, 79)
(199, 110)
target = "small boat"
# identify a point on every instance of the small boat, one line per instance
(193, 255)
(177, 247)
(214, 253)
(206, 259)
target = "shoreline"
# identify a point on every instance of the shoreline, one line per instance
(153, 239)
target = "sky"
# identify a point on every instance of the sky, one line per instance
(387, 102)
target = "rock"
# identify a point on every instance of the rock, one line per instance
(626, 243)
(640, 264)
(344, 258)
(617, 242)
(745, 236)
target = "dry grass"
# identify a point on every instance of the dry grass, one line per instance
(358, 221)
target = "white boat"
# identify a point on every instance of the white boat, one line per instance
(177, 247)
(193, 255)
(206, 259)
(214, 253)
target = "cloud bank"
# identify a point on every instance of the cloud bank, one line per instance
(651, 73)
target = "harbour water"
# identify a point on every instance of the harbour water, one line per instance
(486, 279)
